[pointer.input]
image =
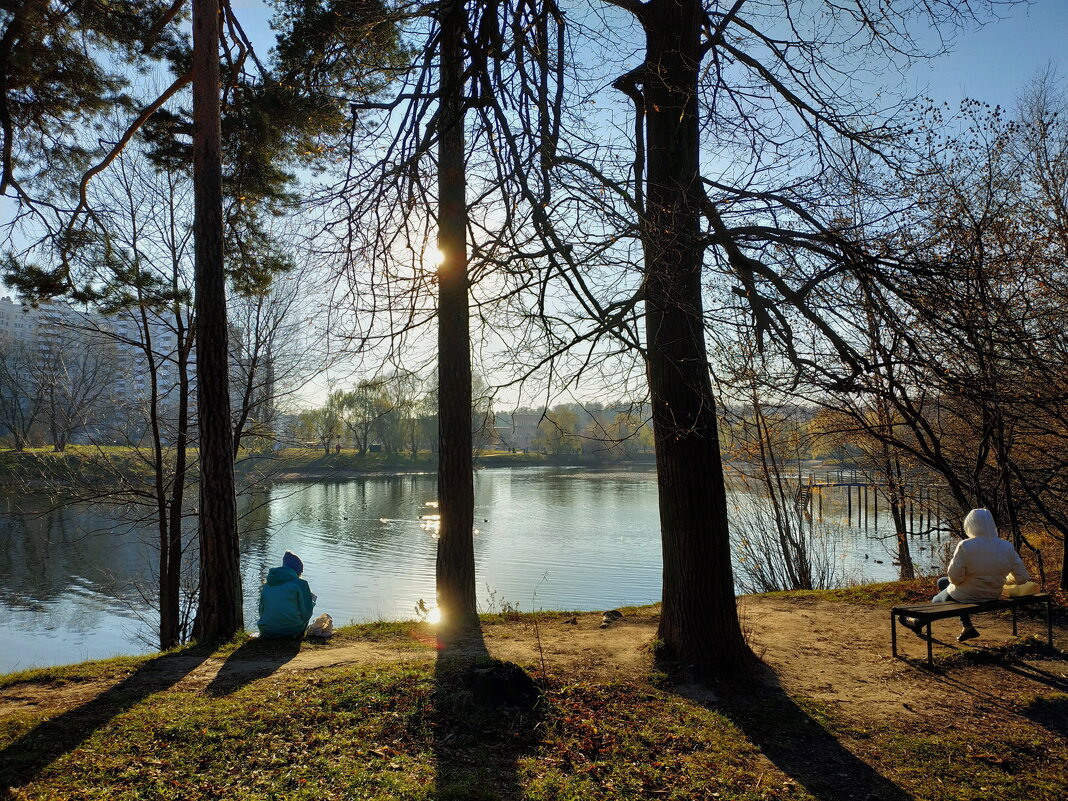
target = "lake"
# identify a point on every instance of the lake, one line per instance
(73, 580)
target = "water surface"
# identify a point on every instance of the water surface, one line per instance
(74, 580)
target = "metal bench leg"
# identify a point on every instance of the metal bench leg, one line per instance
(1014, 634)
(893, 634)
(930, 658)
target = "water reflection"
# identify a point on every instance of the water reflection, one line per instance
(553, 538)
(68, 580)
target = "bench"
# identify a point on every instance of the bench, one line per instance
(926, 613)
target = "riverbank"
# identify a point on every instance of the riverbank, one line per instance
(111, 465)
(377, 713)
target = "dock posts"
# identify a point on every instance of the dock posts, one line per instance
(865, 506)
(875, 500)
(819, 503)
(849, 505)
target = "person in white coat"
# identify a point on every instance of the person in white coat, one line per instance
(978, 569)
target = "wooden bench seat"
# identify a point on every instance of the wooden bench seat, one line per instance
(926, 613)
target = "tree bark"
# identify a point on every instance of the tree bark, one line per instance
(455, 557)
(219, 613)
(699, 625)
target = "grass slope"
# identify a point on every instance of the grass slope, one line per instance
(411, 728)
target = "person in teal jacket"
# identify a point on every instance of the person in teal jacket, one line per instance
(286, 600)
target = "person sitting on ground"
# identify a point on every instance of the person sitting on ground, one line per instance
(977, 571)
(286, 600)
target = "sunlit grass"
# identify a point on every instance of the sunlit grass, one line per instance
(394, 730)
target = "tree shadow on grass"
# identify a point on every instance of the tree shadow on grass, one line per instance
(256, 658)
(1048, 710)
(486, 718)
(802, 748)
(24, 759)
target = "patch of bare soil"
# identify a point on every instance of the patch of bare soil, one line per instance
(839, 654)
(836, 654)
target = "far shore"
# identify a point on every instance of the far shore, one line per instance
(42, 468)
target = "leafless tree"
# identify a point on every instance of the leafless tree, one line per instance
(78, 369)
(23, 391)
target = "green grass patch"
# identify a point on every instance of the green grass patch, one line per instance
(625, 742)
(968, 766)
(418, 731)
(1052, 705)
(890, 593)
(1049, 710)
(422, 730)
(101, 670)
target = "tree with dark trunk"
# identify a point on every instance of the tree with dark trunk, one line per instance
(219, 614)
(455, 557)
(699, 625)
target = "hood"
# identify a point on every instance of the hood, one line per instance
(280, 575)
(980, 524)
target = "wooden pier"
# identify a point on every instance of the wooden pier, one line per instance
(921, 519)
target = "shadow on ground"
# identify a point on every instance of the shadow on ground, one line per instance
(28, 756)
(258, 657)
(1047, 702)
(486, 718)
(1051, 712)
(824, 767)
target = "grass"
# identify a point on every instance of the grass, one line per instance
(417, 729)
(956, 766)
(383, 733)
(885, 594)
(100, 670)
(411, 730)
(400, 731)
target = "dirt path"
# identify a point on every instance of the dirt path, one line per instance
(833, 653)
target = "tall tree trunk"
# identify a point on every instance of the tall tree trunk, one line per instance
(177, 501)
(699, 624)
(456, 556)
(168, 592)
(219, 613)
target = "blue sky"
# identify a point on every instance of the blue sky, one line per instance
(990, 64)
(993, 63)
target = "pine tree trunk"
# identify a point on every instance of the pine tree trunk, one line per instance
(699, 625)
(455, 557)
(219, 613)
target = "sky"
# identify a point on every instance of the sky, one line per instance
(991, 64)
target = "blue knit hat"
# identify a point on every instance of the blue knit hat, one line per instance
(292, 561)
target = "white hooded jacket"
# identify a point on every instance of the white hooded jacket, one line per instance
(981, 562)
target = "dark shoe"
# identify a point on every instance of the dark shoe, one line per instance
(912, 624)
(968, 634)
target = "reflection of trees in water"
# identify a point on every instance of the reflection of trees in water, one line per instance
(49, 551)
(254, 524)
(348, 513)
